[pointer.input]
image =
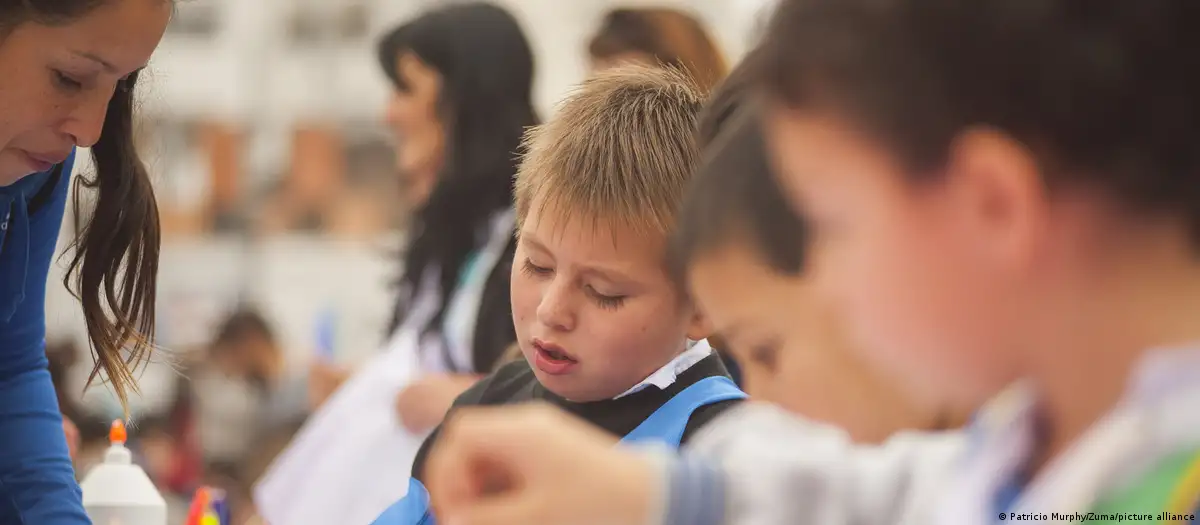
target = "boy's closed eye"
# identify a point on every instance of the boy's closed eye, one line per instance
(819, 223)
(605, 300)
(602, 298)
(533, 270)
(761, 352)
(765, 354)
(752, 348)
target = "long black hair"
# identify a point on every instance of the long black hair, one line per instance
(114, 272)
(485, 103)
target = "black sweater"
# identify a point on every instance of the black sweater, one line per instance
(515, 383)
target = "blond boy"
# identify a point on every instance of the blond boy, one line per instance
(604, 331)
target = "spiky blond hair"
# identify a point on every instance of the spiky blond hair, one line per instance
(621, 148)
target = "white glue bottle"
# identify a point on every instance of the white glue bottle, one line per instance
(117, 492)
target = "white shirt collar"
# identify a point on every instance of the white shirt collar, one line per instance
(666, 376)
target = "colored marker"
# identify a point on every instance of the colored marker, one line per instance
(326, 335)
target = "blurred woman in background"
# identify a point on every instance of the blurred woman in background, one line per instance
(658, 36)
(463, 99)
(463, 82)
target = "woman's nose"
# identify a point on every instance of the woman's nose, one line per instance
(87, 120)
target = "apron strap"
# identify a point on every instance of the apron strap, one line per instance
(668, 423)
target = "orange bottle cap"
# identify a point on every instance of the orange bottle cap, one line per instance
(117, 433)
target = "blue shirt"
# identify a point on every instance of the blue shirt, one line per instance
(37, 480)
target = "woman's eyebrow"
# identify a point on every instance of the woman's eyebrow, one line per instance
(108, 66)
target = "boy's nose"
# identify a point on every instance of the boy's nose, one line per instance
(555, 310)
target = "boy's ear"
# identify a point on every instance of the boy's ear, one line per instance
(699, 326)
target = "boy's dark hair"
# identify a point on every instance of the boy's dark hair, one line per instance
(729, 97)
(733, 197)
(1105, 93)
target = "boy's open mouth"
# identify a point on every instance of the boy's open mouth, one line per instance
(552, 359)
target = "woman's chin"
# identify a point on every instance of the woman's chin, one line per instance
(10, 173)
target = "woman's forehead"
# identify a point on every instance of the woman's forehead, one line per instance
(119, 36)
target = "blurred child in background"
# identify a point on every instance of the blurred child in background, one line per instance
(233, 386)
(217, 415)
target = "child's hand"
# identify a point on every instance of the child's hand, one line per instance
(534, 464)
(423, 404)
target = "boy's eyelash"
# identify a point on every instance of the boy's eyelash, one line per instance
(611, 302)
(528, 268)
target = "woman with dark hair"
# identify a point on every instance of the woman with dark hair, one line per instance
(461, 101)
(463, 78)
(463, 81)
(68, 71)
(657, 36)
